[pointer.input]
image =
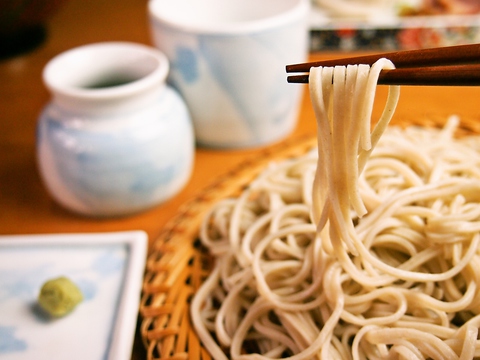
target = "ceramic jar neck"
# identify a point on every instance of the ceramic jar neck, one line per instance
(111, 78)
(98, 103)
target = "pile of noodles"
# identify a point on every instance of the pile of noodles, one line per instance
(366, 249)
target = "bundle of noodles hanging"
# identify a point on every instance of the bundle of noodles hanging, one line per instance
(366, 249)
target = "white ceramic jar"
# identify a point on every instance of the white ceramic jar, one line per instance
(115, 139)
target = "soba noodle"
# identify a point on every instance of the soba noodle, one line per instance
(380, 263)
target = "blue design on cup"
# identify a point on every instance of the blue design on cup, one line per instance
(186, 62)
(221, 55)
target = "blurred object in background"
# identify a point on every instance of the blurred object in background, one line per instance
(22, 24)
(451, 7)
(365, 9)
(386, 25)
(356, 9)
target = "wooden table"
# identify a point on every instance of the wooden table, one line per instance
(25, 206)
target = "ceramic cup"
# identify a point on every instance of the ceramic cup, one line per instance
(228, 61)
(114, 139)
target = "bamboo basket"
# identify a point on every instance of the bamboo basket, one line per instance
(178, 265)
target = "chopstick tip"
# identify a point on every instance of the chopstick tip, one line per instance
(297, 79)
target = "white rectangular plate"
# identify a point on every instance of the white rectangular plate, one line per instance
(107, 267)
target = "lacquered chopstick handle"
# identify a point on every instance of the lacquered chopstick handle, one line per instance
(450, 55)
(460, 75)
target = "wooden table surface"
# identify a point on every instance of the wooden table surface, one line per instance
(25, 206)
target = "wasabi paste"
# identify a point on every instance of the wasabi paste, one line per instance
(59, 296)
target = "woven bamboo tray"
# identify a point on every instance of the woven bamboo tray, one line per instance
(178, 264)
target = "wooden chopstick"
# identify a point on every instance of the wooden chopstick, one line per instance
(453, 65)
(455, 75)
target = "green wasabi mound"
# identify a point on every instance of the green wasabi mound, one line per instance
(59, 296)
